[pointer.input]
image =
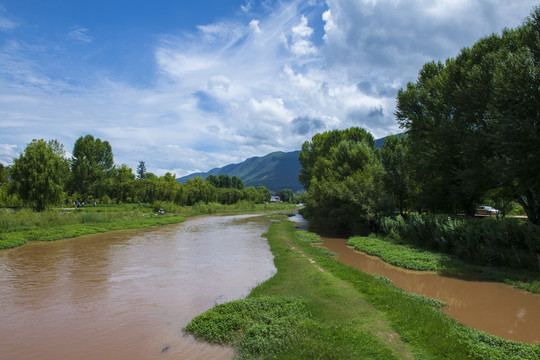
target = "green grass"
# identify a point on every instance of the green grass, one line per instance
(19, 227)
(404, 256)
(315, 307)
(409, 257)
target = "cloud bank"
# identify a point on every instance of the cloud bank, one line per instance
(265, 80)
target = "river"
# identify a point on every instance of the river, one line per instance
(492, 307)
(127, 294)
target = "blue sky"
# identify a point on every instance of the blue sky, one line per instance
(191, 85)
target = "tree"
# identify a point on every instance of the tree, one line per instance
(342, 174)
(473, 123)
(213, 180)
(286, 195)
(446, 119)
(122, 184)
(225, 181)
(91, 162)
(396, 171)
(38, 175)
(3, 174)
(264, 194)
(141, 170)
(237, 183)
(516, 115)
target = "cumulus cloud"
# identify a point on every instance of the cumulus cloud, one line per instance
(300, 44)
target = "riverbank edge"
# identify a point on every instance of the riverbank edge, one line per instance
(420, 326)
(131, 221)
(409, 257)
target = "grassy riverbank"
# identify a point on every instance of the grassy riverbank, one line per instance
(19, 227)
(409, 257)
(318, 308)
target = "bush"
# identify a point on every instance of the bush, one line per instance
(486, 242)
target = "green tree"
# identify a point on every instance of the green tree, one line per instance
(141, 170)
(39, 174)
(3, 174)
(286, 195)
(213, 180)
(343, 177)
(121, 186)
(91, 163)
(515, 109)
(396, 170)
(225, 181)
(237, 183)
(264, 194)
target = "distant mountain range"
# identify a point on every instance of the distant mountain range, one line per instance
(277, 171)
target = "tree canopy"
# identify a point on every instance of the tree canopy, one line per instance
(39, 173)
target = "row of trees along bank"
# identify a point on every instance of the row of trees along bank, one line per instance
(43, 176)
(472, 137)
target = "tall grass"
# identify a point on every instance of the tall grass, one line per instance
(21, 226)
(487, 242)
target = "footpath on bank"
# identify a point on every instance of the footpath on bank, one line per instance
(318, 308)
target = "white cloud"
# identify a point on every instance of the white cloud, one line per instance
(8, 152)
(300, 44)
(80, 34)
(6, 24)
(246, 86)
(254, 26)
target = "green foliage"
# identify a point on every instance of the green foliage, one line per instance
(307, 236)
(141, 170)
(343, 177)
(486, 242)
(38, 175)
(286, 195)
(400, 255)
(396, 172)
(473, 125)
(258, 325)
(91, 162)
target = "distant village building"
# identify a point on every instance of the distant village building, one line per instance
(275, 199)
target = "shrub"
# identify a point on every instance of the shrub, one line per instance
(491, 242)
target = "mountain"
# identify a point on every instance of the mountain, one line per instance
(277, 171)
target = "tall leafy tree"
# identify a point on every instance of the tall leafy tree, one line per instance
(343, 176)
(237, 183)
(141, 170)
(213, 180)
(91, 163)
(515, 109)
(38, 174)
(445, 115)
(396, 172)
(225, 181)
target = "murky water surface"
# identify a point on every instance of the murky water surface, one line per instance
(127, 295)
(491, 307)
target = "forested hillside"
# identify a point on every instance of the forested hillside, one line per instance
(276, 171)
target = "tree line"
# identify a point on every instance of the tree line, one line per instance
(471, 137)
(42, 176)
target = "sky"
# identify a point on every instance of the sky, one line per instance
(187, 86)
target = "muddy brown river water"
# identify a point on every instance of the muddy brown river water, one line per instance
(492, 307)
(127, 295)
